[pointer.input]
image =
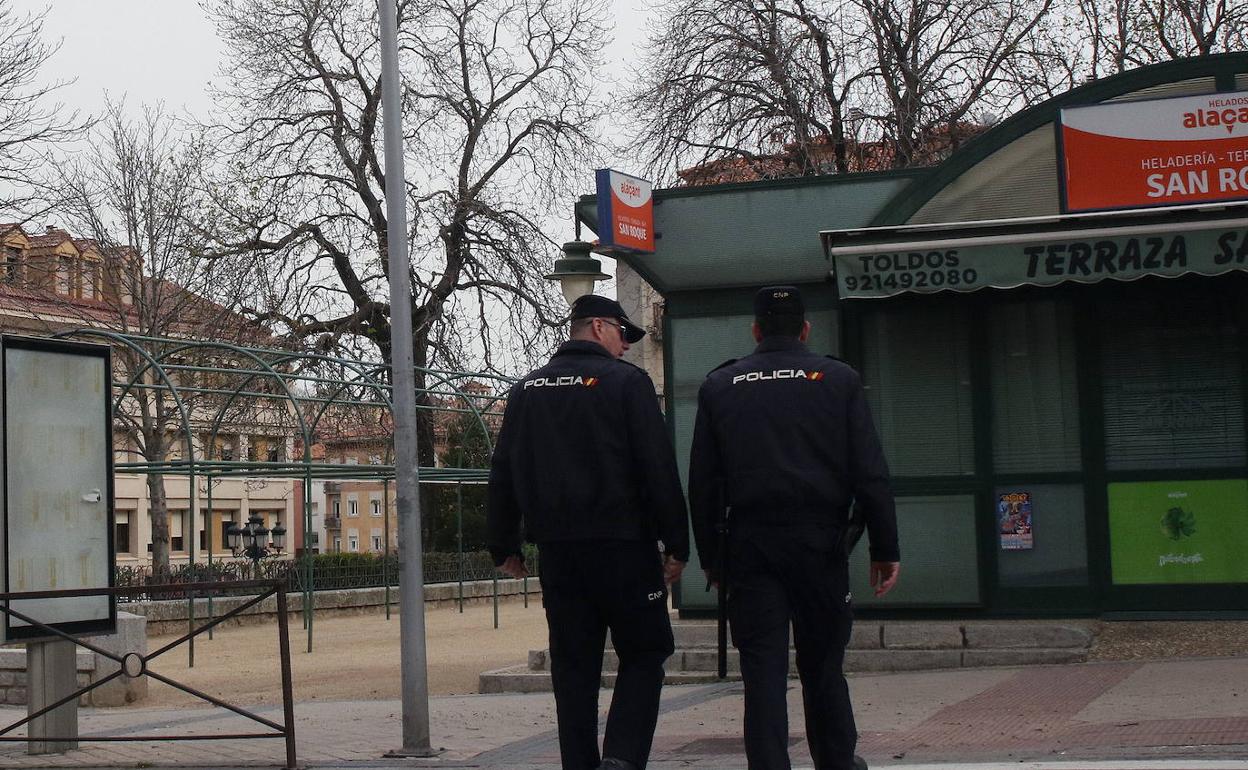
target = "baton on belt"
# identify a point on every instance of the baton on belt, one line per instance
(853, 532)
(722, 608)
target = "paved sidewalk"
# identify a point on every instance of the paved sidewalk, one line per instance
(1173, 715)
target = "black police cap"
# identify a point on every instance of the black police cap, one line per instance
(777, 301)
(594, 306)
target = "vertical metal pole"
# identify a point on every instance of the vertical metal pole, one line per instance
(191, 511)
(459, 539)
(208, 537)
(52, 674)
(496, 598)
(413, 666)
(308, 561)
(288, 697)
(385, 549)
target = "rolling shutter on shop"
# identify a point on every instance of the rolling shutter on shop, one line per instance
(1172, 382)
(916, 369)
(1035, 393)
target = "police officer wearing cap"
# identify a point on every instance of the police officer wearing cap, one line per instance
(583, 468)
(783, 447)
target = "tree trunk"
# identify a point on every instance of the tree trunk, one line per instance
(159, 508)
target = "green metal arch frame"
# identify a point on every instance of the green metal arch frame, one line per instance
(155, 354)
(1222, 67)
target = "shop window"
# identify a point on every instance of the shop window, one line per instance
(12, 264)
(177, 543)
(177, 537)
(1041, 536)
(1035, 393)
(948, 574)
(227, 521)
(1172, 381)
(121, 531)
(916, 369)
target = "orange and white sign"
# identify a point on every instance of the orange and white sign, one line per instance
(625, 211)
(1162, 152)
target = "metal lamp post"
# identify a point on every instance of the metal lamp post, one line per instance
(252, 541)
(577, 272)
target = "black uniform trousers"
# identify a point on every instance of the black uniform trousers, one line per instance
(589, 587)
(780, 575)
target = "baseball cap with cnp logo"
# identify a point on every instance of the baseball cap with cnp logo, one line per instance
(779, 301)
(594, 306)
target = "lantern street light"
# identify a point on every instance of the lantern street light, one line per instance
(576, 272)
(252, 541)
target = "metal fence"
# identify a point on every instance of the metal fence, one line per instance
(328, 572)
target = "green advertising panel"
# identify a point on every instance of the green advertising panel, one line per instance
(1179, 531)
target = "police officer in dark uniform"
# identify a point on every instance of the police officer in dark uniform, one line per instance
(783, 447)
(584, 468)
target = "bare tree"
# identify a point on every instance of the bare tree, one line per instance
(135, 198)
(1132, 33)
(796, 87)
(498, 114)
(31, 123)
(941, 64)
(750, 81)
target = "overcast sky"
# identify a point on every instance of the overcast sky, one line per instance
(166, 50)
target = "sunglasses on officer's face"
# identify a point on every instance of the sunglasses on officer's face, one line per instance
(616, 325)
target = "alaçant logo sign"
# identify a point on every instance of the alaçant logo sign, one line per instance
(1159, 152)
(1041, 263)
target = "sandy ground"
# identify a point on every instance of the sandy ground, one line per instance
(354, 657)
(357, 657)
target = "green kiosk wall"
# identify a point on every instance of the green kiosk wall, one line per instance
(1071, 448)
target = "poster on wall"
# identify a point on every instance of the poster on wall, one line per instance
(1179, 532)
(1156, 152)
(1014, 521)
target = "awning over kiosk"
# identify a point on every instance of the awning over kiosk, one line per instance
(1041, 251)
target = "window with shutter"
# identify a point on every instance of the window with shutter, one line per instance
(916, 370)
(1035, 393)
(1172, 381)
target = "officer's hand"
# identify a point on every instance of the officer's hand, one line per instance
(672, 567)
(884, 576)
(514, 567)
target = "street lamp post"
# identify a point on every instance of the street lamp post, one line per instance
(252, 541)
(576, 271)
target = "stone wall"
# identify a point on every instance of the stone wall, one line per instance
(131, 636)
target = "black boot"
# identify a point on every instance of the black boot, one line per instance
(859, 763)
(611, 763)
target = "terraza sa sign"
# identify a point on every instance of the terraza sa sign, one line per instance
(1041, 263)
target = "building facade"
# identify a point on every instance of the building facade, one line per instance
(53, 282)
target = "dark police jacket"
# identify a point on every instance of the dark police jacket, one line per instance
(784, 437)
(583, 454)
